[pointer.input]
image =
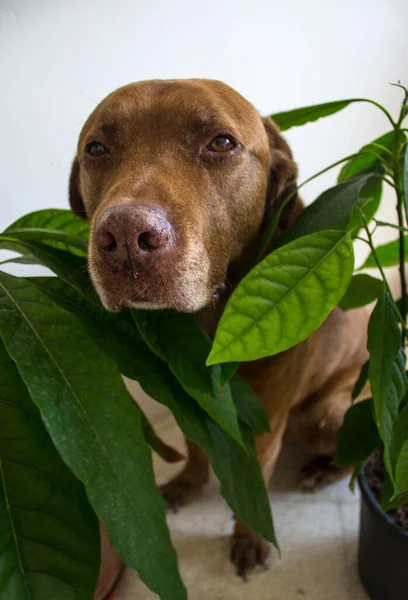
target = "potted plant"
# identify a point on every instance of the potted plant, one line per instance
(76, 448)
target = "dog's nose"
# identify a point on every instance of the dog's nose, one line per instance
(126, 235)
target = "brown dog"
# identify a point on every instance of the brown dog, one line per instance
(178, 179)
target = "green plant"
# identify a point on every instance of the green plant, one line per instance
(62, 356)
(319, 247)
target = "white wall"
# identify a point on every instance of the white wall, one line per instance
(59, 57)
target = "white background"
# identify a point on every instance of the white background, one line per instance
(60, 57)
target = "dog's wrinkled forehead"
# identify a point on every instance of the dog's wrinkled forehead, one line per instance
(175, 109)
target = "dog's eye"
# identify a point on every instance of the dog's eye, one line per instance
(221, 143)
(96, 148)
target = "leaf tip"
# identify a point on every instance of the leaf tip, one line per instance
(212, 359)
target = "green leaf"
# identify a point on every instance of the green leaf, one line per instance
(300, 116)
(386, 372)
(399, 452)
(358, 437)
(362, 290)
(66, 240)
(106, 327)
(114, 333)
(49, 542)
(52, 224)
(235, 467)
(94, 425)
(369, 156)
(284, 298)
(332, 210)
(388, 255)
(21, 260)
(249, 406)
(368, 202)
(180, 340)
(361, 381)
(71, 269)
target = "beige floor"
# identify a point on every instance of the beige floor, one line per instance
(317, 534)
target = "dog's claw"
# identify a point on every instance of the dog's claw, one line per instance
(241, 573)
(264, 565)
(247, 551)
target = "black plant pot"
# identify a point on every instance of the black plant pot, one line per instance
(383, 550)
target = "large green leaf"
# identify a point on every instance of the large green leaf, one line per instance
(112, 331)
(49, 542)
(334, 209)
(300, 116)
(136, 361)
(358, 437)
(94, 425)
(179, 339)
(237, 469)
(388, 255)
(121, 341)
(362, 290)
(369, 156)
(60, 228)
(284, 298)
(386, 372)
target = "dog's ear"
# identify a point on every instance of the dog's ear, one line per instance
(75, 198)
(282, 178)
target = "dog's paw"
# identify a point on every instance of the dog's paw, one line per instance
(248, 551)
(178, 492)
(319, 473)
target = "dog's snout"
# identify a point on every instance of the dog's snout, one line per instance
(132, 233)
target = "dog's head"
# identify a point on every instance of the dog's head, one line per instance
(176, 178)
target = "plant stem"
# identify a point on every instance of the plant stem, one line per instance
(386, 224)
(384, 110)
